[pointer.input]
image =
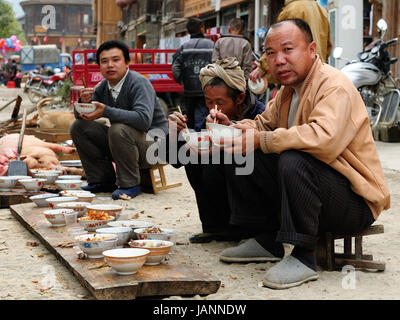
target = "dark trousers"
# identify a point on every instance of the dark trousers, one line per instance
(195, 110)
(208, 181)
(295, 197)
(98, 146)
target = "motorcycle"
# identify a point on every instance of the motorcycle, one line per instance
(369, 75)
(39, 86)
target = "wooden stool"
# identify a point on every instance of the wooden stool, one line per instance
(153, 184)
(328, 259)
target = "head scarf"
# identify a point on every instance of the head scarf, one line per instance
(228, 70)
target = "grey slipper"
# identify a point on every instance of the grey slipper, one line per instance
(249, 251)
(289, 272)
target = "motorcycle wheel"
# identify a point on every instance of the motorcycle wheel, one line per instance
(34, 96)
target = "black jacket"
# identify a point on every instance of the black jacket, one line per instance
(188, 60)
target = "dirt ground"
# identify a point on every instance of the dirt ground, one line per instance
(23, 269)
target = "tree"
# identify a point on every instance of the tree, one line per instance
(9, 25)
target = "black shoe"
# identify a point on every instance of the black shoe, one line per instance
(99, 187)
(218, 236)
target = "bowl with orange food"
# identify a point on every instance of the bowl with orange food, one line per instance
(94, 220)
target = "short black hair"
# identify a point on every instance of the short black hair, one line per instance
(218, 82)
(237, 24)
(111, 44)
(301, 24)
(194, 25)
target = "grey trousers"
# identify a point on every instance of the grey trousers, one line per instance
(98, 146)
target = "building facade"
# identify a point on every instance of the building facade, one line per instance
(67, 24)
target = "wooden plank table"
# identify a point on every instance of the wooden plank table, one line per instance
(15, 196)
(177, 277)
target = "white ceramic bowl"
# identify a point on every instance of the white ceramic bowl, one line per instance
(124, 234)
(34, 184)
(93, 225)
(50, 177)
(94, 248)
(219, 131)
(126, 261)
(7, 183)
(79, 207)
(20, 178)
(259, 86)
(34, 171)
(85, 196)
(69, 184)
(133, 224)
(72, 193)
(166, 234)
(70, 177)
(159, 249)
(53, 201)
(84, 107)
(111, 209)
(40, 199)
(56, 216)
(199, 140)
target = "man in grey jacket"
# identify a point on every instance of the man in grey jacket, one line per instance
(129, 101)
(235, 44)
(187, 63)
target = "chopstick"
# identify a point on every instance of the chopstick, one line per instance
(83, 81)
(215, 119)
(180, 111)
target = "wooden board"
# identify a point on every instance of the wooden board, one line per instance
(15, 196)
(178, 277)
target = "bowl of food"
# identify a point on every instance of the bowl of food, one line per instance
(85, 107)
(79, 207)
(46, 170)
(155, 233)
(34, 184)
(219, 132)
(112, 209)
(56, 216)
(72, 193)
(69, 184)
(53, 201)
(159, 249)
(50, 177)
(123, 233)
(7, 183)
(85, 196)
(198, 140)
(126, 261)
(133, 224)
(20, 178)
(94, 221)
(94, 244)
(70, 177)
(40, 199)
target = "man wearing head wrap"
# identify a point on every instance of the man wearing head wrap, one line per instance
(224, 85)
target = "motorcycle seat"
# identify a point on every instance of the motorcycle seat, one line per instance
(42, 77)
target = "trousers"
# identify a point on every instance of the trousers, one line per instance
(294, 197)
(99, 146)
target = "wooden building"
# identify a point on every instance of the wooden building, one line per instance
(106, 18)
(73, 23)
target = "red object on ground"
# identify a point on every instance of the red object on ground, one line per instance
(10, 84)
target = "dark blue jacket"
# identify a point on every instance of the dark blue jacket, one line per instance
(253, 108)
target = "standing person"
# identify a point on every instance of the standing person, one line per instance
(316, 167)
(129, 101)
(317, 18)
(235, 44)
(187, 62)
